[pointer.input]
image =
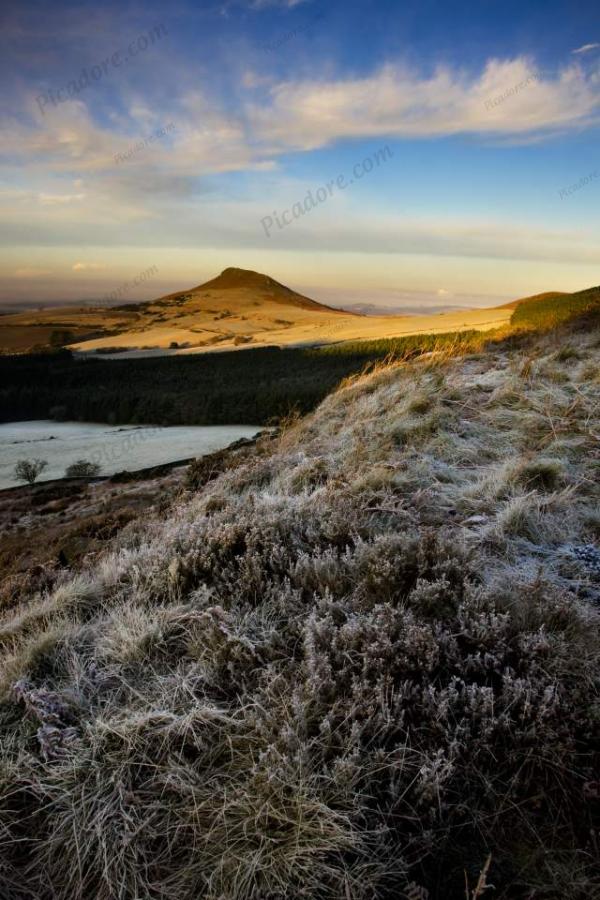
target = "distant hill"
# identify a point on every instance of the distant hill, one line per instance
(232, 309)
(244, 308)
(261, 286)
(373, 309)
(238, 308)
(245, 279)
(549, 295)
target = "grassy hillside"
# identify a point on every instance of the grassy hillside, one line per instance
(361, 663)
(547, 295)
(550, 310)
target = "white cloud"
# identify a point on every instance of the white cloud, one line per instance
(87, 267)
(586, 48)
(204, 140)
(72, 152)
(508, 97)
(59, 199)
(506, 100)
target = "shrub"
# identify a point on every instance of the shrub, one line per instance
(208, 467)
(29, 470)
(83, 468)
(60, 338)
(540, 474)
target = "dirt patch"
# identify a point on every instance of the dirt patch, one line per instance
(52, 527)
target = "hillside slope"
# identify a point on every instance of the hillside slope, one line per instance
(548, 295)
(242, 308)
(353, 666)
(233, 279)
(547, 311)
(239, 308)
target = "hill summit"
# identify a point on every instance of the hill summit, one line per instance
(233, 277)
(247, 280)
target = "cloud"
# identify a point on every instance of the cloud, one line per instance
(76, 197)
(287, 4)
(252, 80)
(204, 140)
(395, 101)
(57, 199)
(358, 232)
(586, 48)
(31, 272)
(87, 266)
(506, 100)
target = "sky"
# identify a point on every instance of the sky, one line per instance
(411, 155)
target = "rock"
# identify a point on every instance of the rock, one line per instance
(475, 520)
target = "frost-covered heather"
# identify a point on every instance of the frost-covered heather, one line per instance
(351, 667)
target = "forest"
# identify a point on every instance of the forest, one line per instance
(254, 386)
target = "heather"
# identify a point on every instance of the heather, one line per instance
(358, 662)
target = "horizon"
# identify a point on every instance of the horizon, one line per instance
(413, 159)
(350, 299)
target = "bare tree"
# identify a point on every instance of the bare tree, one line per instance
(29, 469)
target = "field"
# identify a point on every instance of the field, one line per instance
(113, 449)
(26, 338)
(30, 331)
(256, 386)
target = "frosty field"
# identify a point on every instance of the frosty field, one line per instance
(114, 447)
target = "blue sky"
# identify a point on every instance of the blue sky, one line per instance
(474, 127)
